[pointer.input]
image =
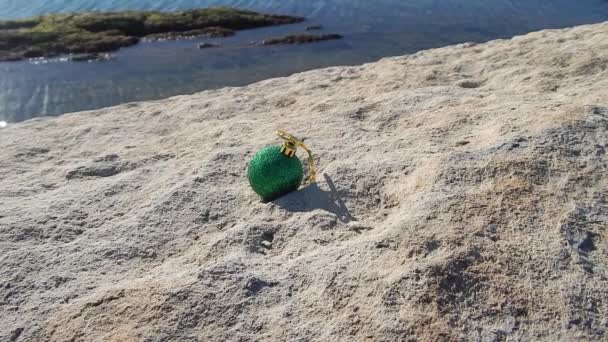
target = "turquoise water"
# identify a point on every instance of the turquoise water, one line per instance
(371, 29)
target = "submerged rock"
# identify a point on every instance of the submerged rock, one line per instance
(207, 45)
(91, 57)
(300, 39)
(313, 27)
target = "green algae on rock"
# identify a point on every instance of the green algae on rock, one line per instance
(56, 34)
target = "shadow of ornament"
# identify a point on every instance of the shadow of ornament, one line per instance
(313, 197)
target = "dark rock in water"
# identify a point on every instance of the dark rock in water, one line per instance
(300, 39)
(33, 52)
(91, 57)
(11, 58)
(76, 33)
(313, 27)
(207, 45)
(210, 32)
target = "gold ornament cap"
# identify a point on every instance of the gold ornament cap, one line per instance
(290, 147)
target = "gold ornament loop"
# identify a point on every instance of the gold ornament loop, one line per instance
(289, 148)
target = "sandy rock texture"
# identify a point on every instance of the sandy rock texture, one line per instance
(462, 196)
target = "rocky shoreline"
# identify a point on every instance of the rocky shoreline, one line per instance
(76, 33)
(460, 196)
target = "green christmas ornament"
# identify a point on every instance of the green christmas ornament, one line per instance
(276, 170)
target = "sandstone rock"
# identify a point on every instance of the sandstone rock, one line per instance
(409, 234)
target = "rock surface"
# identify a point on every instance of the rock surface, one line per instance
(461, 196)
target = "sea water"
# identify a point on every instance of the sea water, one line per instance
(372, 29)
